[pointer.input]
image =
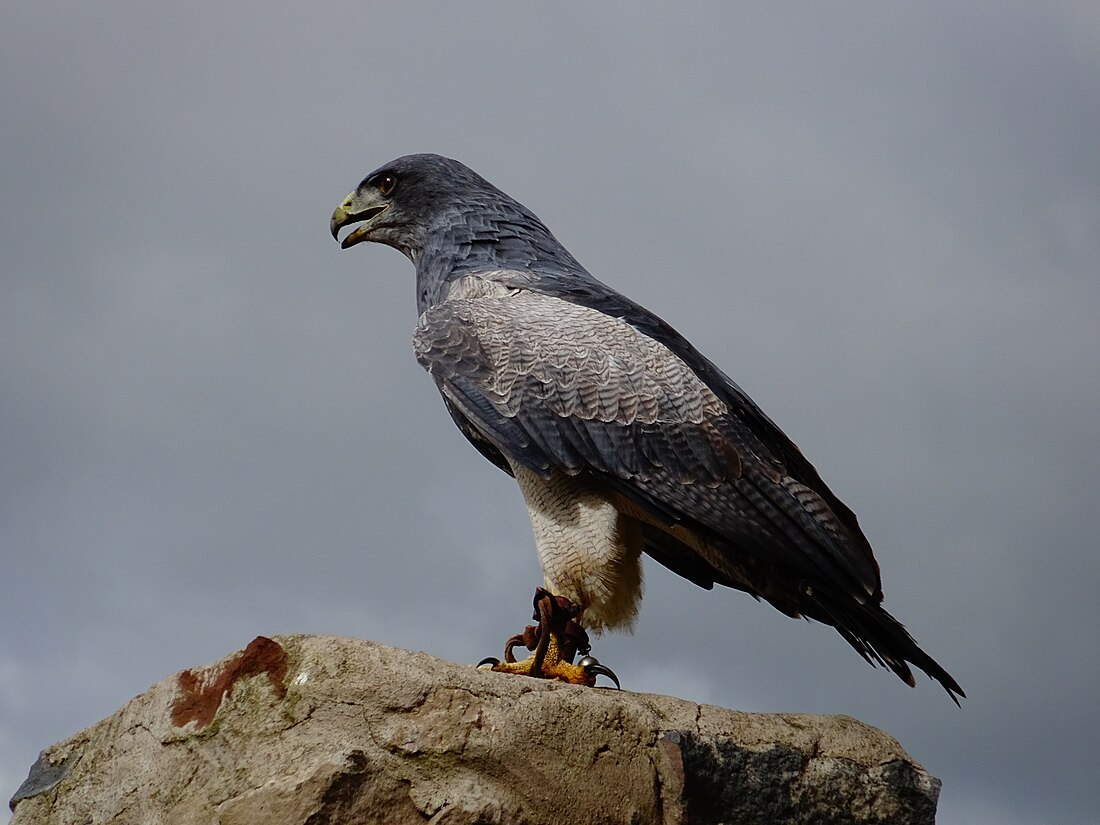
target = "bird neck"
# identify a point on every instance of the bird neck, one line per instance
(475, 243)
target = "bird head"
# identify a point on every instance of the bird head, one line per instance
(403, 202)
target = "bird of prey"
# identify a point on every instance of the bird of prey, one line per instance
(623, 438)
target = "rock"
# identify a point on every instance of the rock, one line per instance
(313, 729)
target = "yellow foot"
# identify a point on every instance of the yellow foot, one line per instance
(555, 641)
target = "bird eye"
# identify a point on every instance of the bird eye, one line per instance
(387, 184)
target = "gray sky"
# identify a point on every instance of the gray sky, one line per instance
(883, 222)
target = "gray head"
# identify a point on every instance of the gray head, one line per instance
(408, 201)
(450, 221)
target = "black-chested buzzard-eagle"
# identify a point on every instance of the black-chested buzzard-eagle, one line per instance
(623, 438)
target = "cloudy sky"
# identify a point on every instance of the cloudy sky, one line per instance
(884, 223)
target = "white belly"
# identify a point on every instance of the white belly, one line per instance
(589, 553)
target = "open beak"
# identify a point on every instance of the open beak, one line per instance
(353, 211)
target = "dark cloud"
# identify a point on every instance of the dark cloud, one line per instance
(883, 223)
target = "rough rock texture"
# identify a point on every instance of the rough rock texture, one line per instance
(311, 729)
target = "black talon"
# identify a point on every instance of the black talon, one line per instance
(488, 660)
(593, 667)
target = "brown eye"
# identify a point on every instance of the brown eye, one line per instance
(387, 184)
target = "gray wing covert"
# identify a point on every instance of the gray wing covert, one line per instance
(548, 385)
(556, 385)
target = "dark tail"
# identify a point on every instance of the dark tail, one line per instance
(882, 640)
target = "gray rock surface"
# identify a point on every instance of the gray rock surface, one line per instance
(314, 729)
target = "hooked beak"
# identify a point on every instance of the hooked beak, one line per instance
(353, 211)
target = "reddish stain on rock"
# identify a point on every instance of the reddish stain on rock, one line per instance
(202, 690)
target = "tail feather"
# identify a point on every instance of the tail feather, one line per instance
(882, 640)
